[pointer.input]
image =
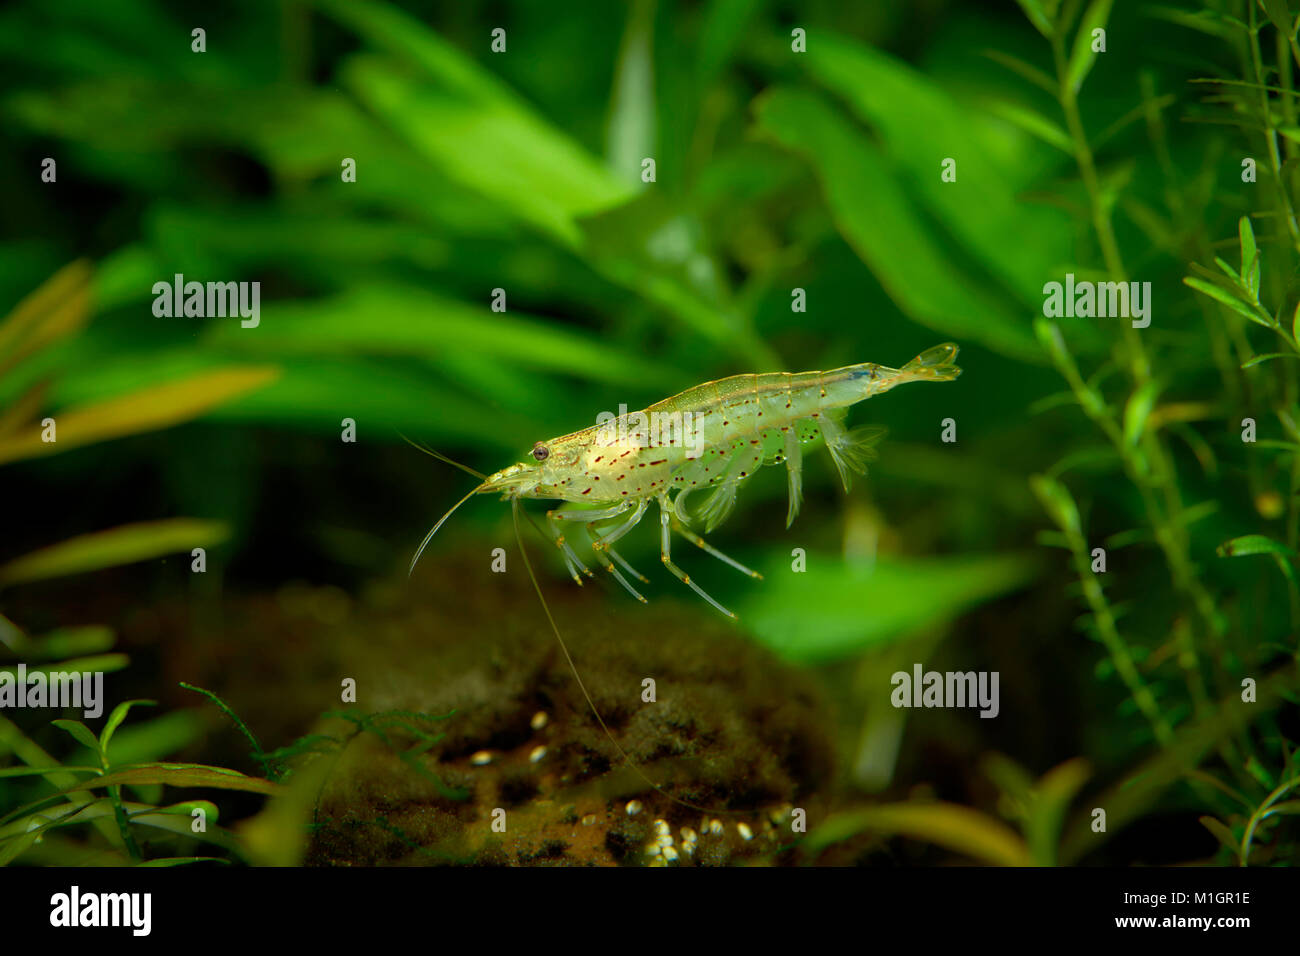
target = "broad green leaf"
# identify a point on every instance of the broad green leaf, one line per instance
(384, 396)
(630, 136)
(656, 248)
(393, 320)
(502, 152)
(1082, 57)
(919, 124)
(902, 597)
(106, 549)
(147, 409)
(955, 827)
(873, 214)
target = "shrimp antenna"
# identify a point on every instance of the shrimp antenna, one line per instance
(441, 457)
(573, 668)
(434, 530)
(468, 470)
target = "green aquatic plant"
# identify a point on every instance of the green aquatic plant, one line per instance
(1208, 652)
(29, 337)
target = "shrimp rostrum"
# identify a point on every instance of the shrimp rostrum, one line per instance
(696, 449)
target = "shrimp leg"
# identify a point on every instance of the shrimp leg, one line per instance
(703, 545)
(666, 517)
(571, 559)
(590, 518)
(606, 542)
(600, 545)
(794, 471)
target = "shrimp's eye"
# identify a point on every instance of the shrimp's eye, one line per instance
(540, 452)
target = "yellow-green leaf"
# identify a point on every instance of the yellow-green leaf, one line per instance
(958, 828)
(57, 308)
(122, 545)
(149, 409)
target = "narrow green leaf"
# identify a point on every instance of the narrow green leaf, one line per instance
(958, 828)
(1249, 256)
(1258, 359)
(1279, 16)
(1035, 124)
(94, 662)
(1138, 410)
(147, 409)
(43, 771)
(173, 775)
(1049, 803)
(630, 135)
(182, 775)
(57, 309)
(1231, 273)
(1221, 833)
(1253, 544)
(165, 861)
(1030, 72)
(1037, 16)
(1058, 501)
(80, 732)
(115, 719)
(1083, 57)
(1221, 295)
(14, 848)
